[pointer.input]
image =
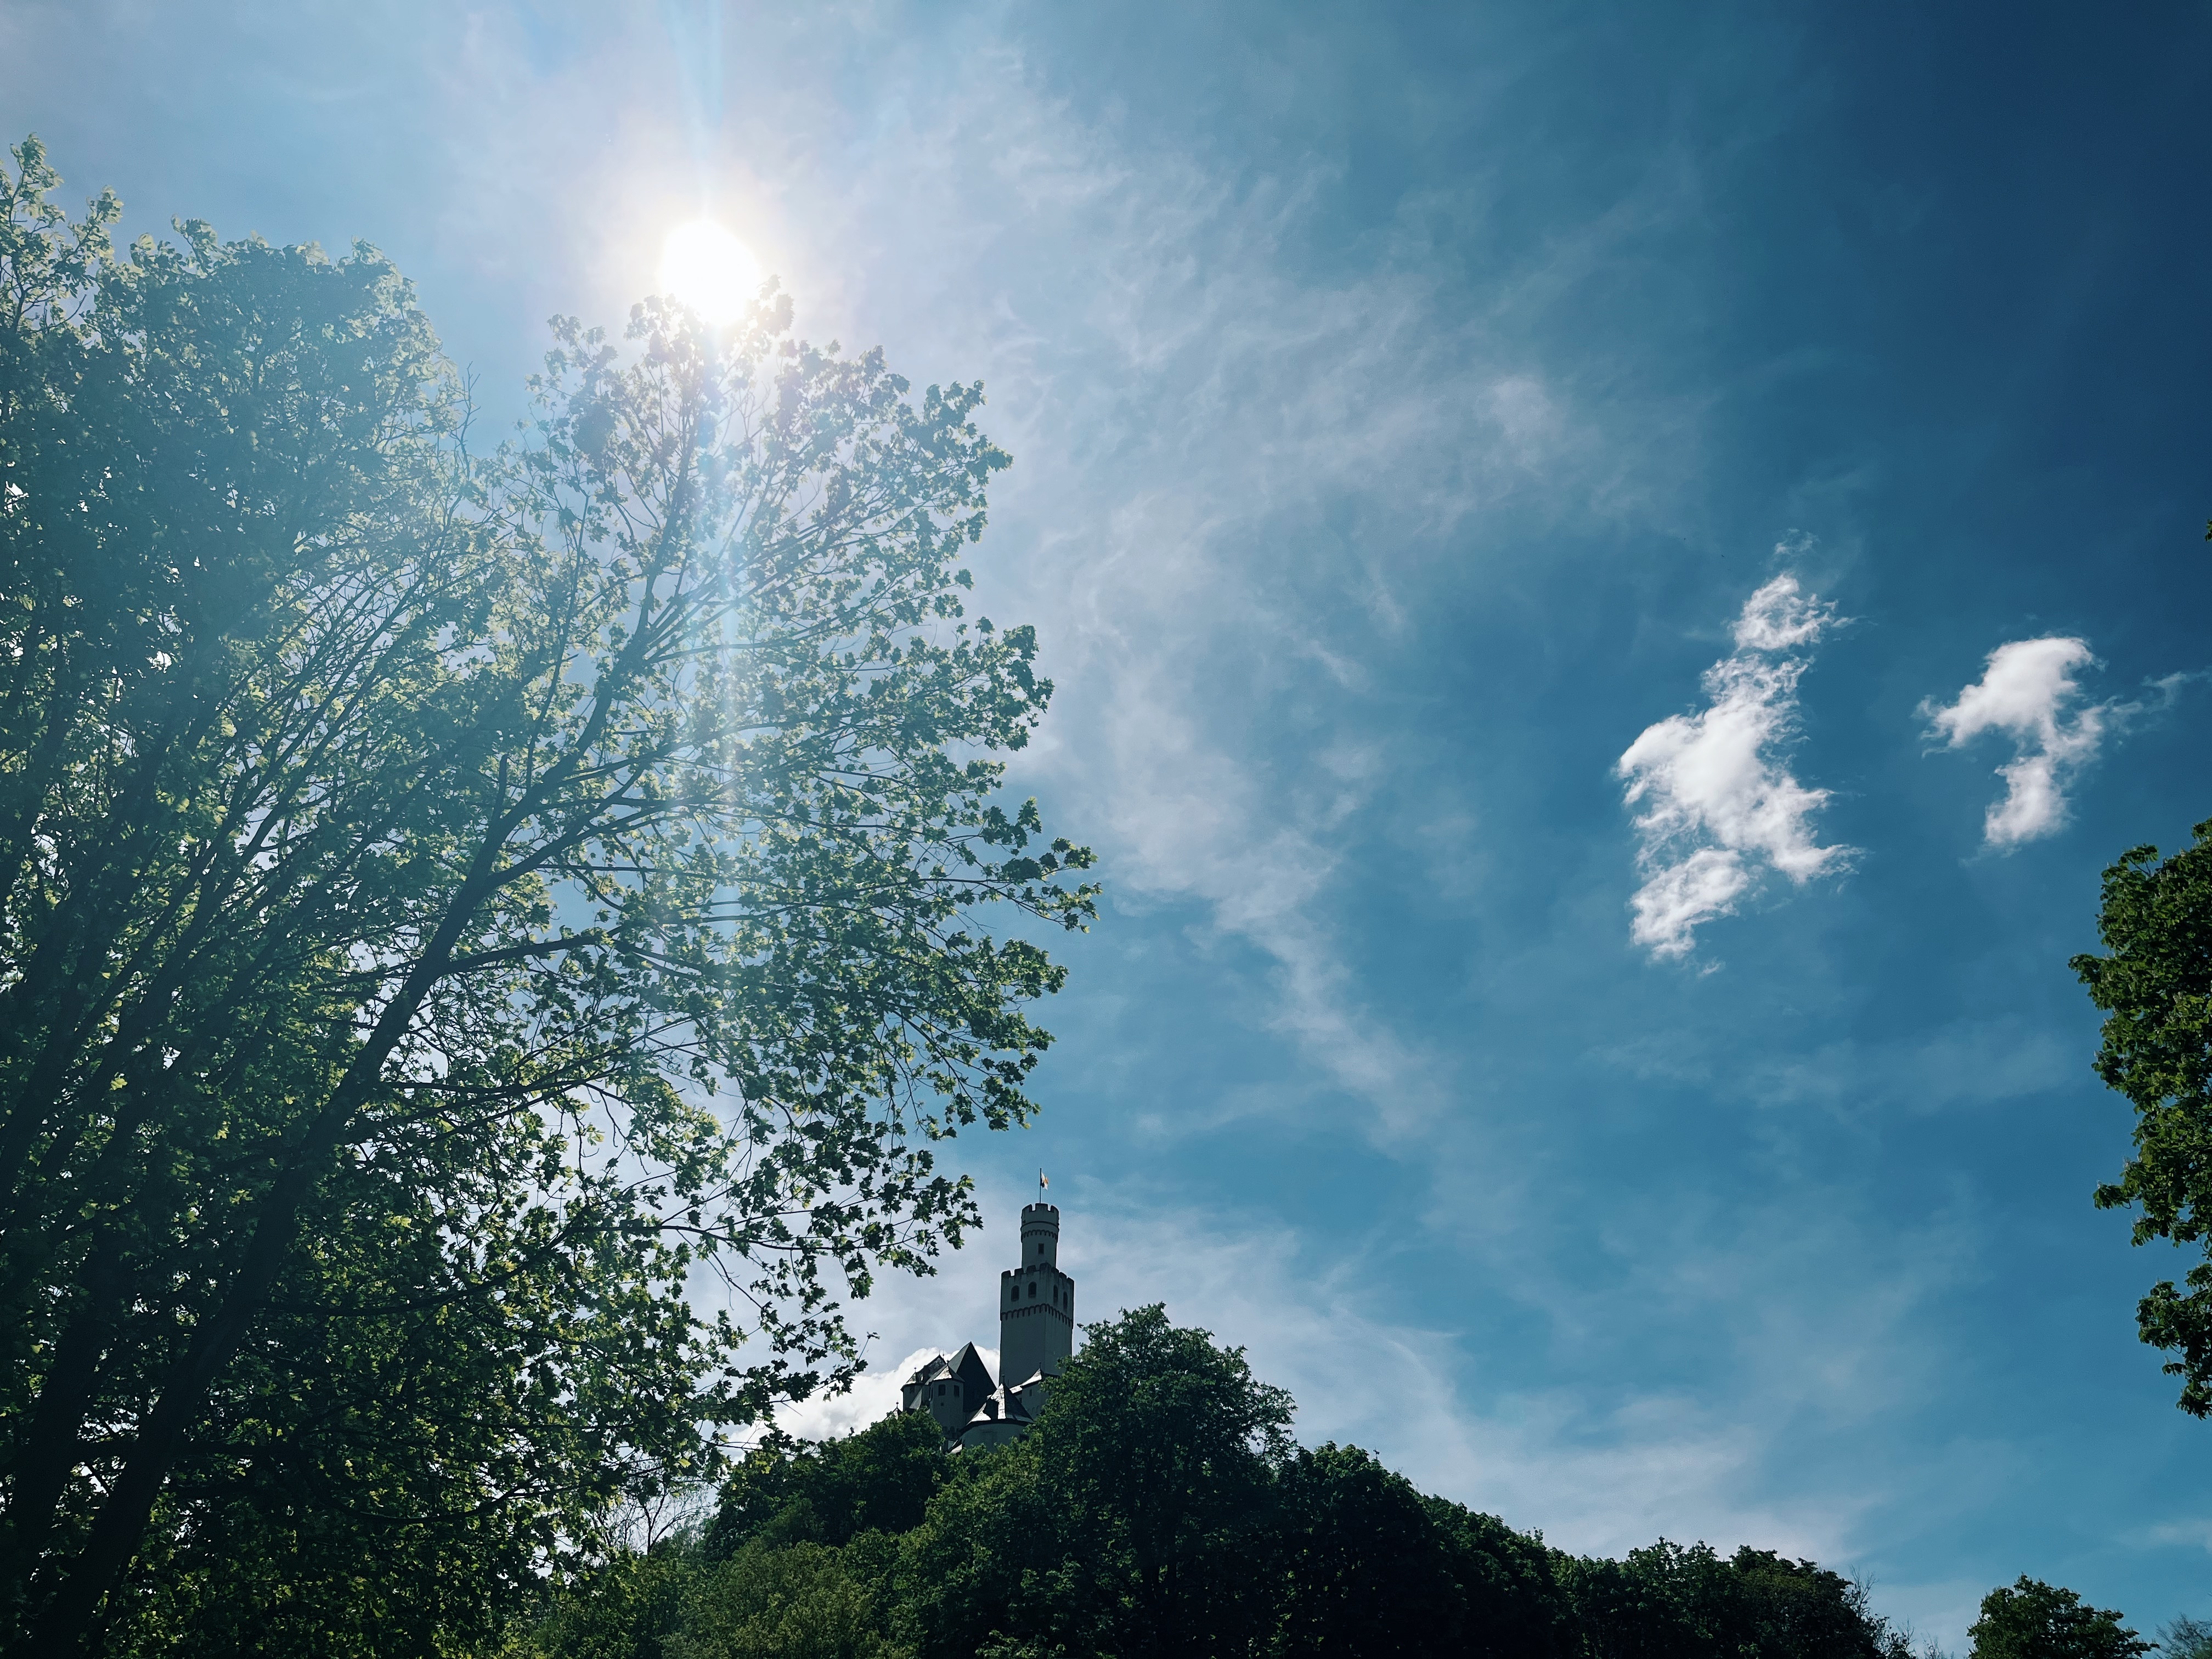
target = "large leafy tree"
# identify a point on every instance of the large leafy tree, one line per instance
(787, 1490)
(1134, 1518)
(2031, 1619)
(1364, 1565)
(2155, 984)
(457, 915)
(1667, 1601)
(1159, 1506)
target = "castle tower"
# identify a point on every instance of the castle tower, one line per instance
(1036, 1302)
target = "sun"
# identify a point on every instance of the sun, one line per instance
(710, 270)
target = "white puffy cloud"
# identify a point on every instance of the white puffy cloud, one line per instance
(1718, 804)
(2024, 692)
(875, 1394)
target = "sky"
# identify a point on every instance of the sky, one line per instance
(1614, 577)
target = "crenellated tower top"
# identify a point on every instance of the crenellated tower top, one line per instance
(1040, 1235)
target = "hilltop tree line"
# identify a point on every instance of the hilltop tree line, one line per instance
(1159, 1507)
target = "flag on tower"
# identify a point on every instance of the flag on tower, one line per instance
(1041, 1182)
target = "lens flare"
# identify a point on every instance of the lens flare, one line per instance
(710, 270)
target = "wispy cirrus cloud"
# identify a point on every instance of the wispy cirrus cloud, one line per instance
(1720, 805)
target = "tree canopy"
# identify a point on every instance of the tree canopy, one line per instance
(2032, 1620)
(1158, 1507)
(490, 942)
(2155, 984)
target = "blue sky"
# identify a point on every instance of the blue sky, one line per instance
(1406, 406)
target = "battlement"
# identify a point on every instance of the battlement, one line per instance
(1040, 1235)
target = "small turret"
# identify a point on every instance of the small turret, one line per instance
(1040, 1235)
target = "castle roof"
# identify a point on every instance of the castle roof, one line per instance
(973, 1370)
(930, 1370)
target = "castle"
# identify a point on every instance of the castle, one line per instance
(1036, 1333)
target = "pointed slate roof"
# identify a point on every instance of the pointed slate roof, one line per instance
(975, 1379)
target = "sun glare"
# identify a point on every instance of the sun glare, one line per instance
(709, 271)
